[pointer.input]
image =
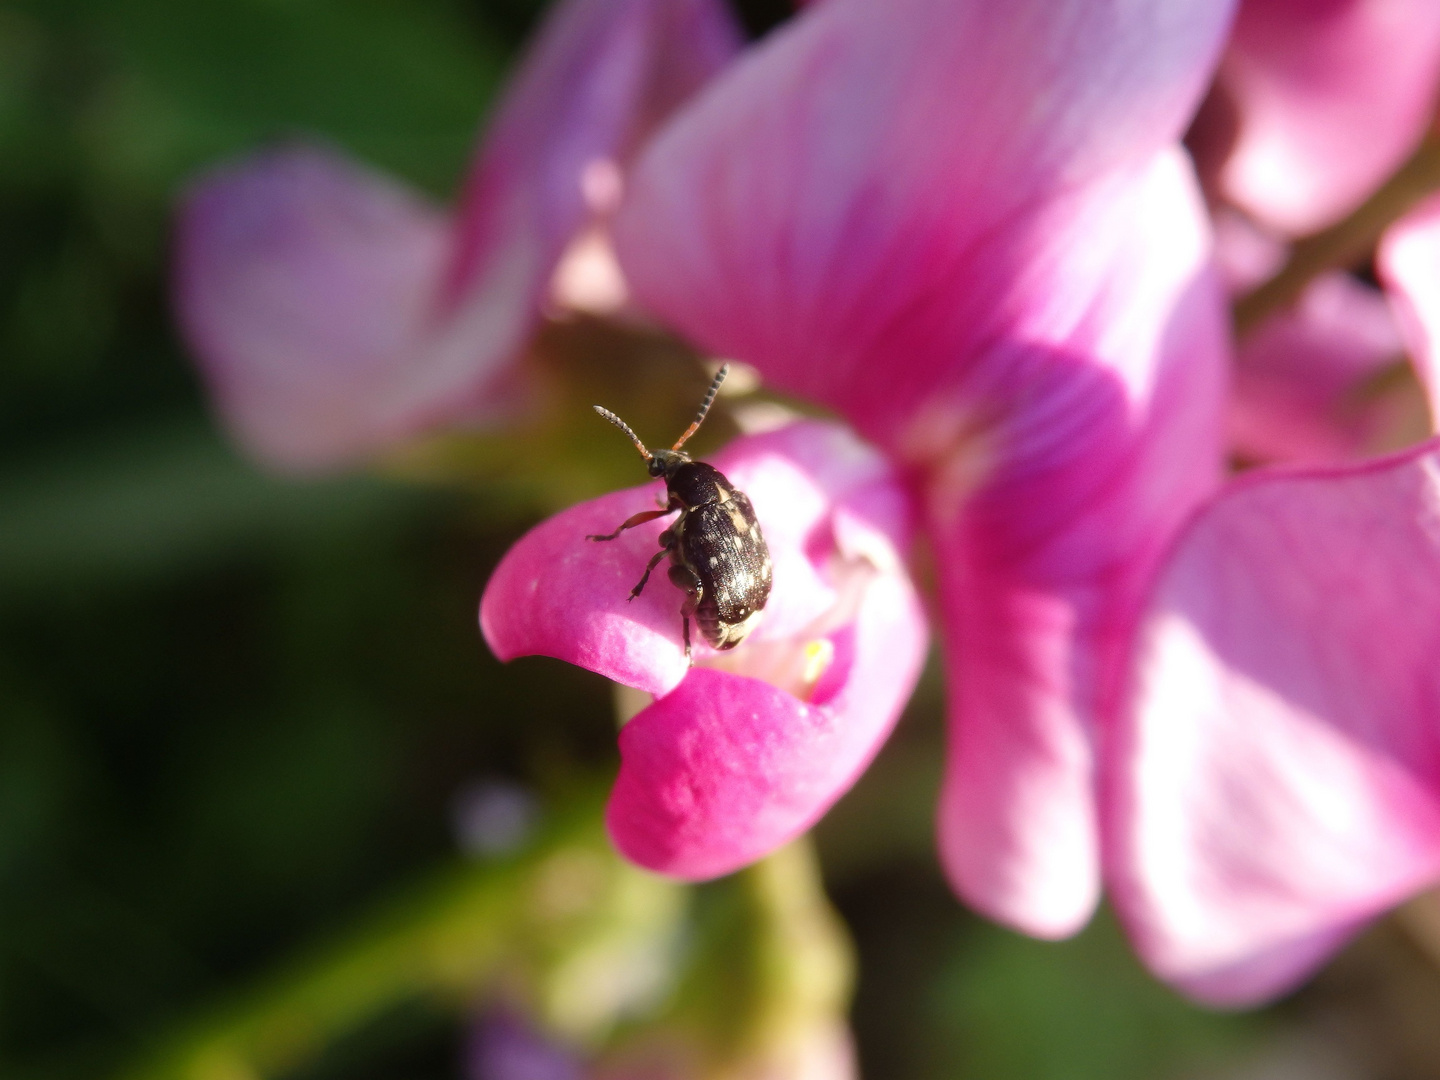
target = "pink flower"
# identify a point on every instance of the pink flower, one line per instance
(1316, 103)
(965, 227)
(335, 313)
(744, 751)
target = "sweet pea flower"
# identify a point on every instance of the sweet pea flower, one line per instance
(1316, 103)
(334, 312)
(742, 752)
(966, 228)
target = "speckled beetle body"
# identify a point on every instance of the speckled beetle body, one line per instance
(718, 556)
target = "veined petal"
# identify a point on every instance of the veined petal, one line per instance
(1276, 781)
(335, 313)
(1409, 266)
(1323, 99)
(856, 207)
(726, 768)
(1069, 470)
(1300, 383)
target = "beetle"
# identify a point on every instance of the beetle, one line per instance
(717, 552)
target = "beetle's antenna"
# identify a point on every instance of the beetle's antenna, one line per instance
(623, 426)
(704, 406)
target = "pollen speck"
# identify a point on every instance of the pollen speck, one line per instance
(819, 655)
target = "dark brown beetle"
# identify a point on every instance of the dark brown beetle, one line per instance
(718, 554)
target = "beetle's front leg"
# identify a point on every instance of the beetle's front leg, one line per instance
(631, 522)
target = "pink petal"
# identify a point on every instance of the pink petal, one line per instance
(557, 594)
(1409, 265)
(1300, 381)
(870, 196)
(599, 77)
(1277, 780)
(1072, 493)
(335, 314)
(302, 279)
(1246, 254)
(1326, 98)
(726, 768)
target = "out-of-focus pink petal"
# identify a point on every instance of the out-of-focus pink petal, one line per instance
(336, 314)
(1327, 98)
(303, 281)
(727, 768)
(1056, 513)
(1080, 481)
(600, 76)
(872, 195)
(1300, 378)
(1277, 779)
(504, 1045)
(1409, 266)
(1245, 253)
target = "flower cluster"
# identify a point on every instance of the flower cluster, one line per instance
(970, 230)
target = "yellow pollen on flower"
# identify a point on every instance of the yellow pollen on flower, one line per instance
(819, 655)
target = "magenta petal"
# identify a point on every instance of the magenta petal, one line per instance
(1409, 265)
(870, 197)
(1277, 780)
(1046, 528)
(1300, 379)
(1328, 98)
(725, 769)
(303, 282)
(555, 593)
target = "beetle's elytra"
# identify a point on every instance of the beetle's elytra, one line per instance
(717, 553)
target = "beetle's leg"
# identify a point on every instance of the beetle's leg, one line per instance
(682, 577)
(631, 522)
(654, 561)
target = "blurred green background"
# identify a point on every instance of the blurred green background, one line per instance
(237, 712)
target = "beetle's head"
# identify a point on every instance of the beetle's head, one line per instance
(665, 462)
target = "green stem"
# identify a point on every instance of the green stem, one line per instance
(442, 942)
